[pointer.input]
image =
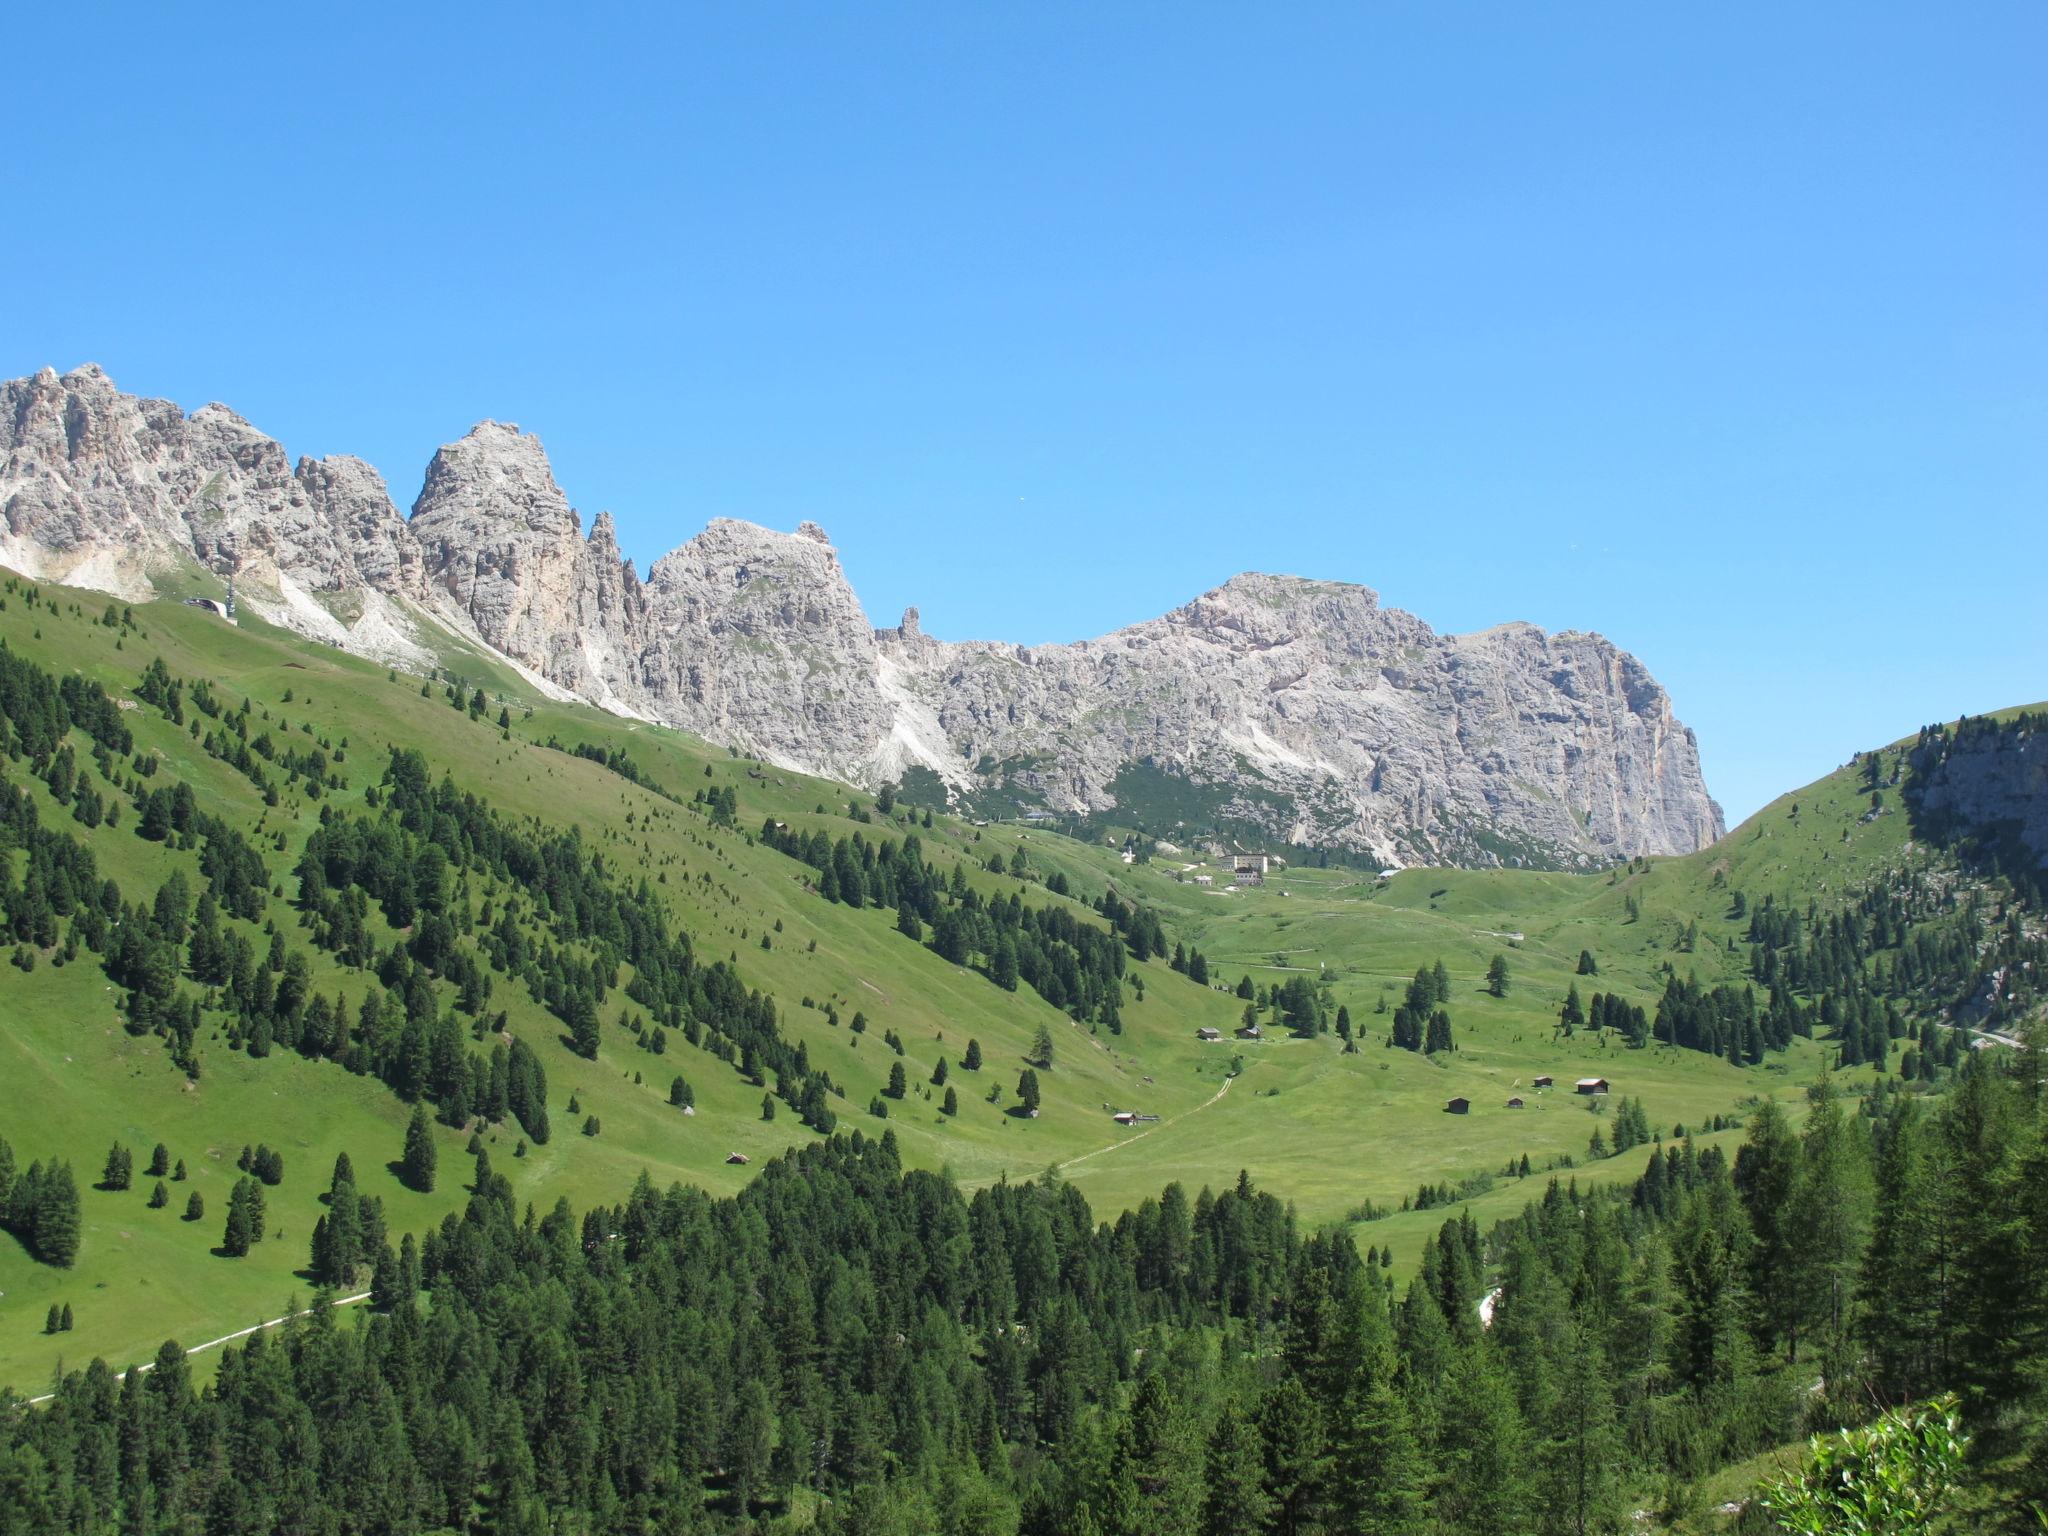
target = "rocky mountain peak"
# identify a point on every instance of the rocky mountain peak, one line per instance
(498, 472)
(1283, 707)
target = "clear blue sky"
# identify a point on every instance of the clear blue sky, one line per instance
(1722, 331)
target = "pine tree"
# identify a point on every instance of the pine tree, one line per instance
(898, 1083)
(119, 1171)
(951, 1104)
(1041, 1048)
(1581, 1484)
(1484, 1451)
(242, 1231)
(1829, 1216)
(1573, 1014)
(1497, 976)
(1765, 1171)
(1291, 1432)
(583, 1025)
(416, 1167)
(52, 1216)
(160, 1196)
(195, 1207)
(971, 1062)
(1236, 1502)
(1588, 966)
(1027, 1091)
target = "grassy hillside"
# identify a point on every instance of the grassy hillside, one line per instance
(1325, 1129)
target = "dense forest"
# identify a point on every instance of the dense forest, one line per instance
(865, 1349)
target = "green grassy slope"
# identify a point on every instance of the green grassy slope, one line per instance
(1323, 1129)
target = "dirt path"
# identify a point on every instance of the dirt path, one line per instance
(1117, 1146)
(227, 1338)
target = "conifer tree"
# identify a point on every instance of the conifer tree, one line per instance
(416, 1167)
(46, 1207)
(1484, 1452)
(119, 1170)
(1235, 1502)
(1573, 1014)
(243, 1230)
(1827, 1225)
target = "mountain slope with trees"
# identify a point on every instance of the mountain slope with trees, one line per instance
(354, 966)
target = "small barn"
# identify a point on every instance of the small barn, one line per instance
(1458, 1107)
(1544, 1081)
(1251, 1032)
(737, 1157)
(1205, 1033)
(1514, 1103)
(1592, 1085)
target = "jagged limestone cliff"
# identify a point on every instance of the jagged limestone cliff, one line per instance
(1301, 708)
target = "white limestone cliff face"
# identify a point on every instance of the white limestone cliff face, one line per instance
(123, 495)
(1326, 718)
(1301, 707)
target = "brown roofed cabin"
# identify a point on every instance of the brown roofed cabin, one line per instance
(1543, 1081)
(1458, 1107)
(1592, 1085)
(737, 1157)
(1251, 1032)
(1208, 1034)
(1514, 1103)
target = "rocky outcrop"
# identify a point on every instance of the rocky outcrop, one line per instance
(1295, 709)
(1980, 787)
(1306, 709)
(121, 494)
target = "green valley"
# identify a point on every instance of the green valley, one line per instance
(335, 891)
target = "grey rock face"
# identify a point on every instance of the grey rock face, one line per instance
(109, 491)
(1311, 711)
(1302, 708)
(1985, 781)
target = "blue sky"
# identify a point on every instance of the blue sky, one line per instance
(1721, 332)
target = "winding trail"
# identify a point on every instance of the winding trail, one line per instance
(226, 1338)
(1118, 1146)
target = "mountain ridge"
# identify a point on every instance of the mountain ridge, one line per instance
(1298, 709)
